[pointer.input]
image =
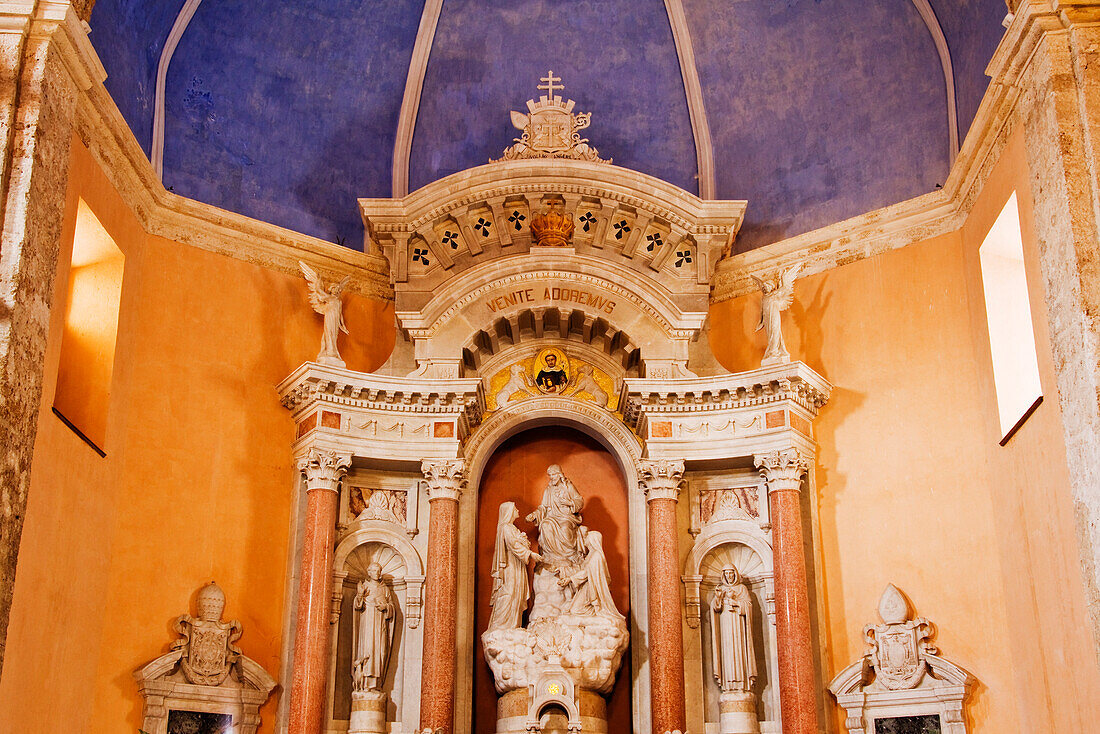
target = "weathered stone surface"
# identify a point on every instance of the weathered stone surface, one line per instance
(1061, 117)
(83, 8)
(38, 100)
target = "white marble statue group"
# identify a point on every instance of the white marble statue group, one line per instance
(573, 621)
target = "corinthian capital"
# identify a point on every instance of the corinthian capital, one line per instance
(783, 470)
(660, 479)
(324, 469)
(445, 479)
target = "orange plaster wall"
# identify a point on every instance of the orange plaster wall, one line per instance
(912, 486)
(1057, 680)
(197, 483)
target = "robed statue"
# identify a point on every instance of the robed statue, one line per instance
(375, 602)
(778, 295)
(558, 517)
(574, 628)
(731, 634)
(327, 302)
(593, 594)
(510, 557)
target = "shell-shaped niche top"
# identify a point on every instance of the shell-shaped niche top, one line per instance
(393, 565)
(893, 607)
(733, 555)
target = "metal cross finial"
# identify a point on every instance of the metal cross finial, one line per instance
(550, 80)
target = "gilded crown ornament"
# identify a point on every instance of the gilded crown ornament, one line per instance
(552, 226)
(551, 129)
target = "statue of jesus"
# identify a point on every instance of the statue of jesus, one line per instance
(558, 518)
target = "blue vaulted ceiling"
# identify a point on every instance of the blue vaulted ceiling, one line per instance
(617, 60)
(287, 111)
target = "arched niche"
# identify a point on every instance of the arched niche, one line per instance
(375, 541)
(742, 545)
(626, 449)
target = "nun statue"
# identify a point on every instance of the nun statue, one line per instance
(511, 554)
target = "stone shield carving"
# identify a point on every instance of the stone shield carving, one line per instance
(209, 653)
(897, 648)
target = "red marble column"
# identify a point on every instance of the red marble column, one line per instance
(323, 471)
(445, 480)
(660, 480)
(783, 472)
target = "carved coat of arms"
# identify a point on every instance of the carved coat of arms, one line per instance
(210, 650)
(207, 644)
(551, 129)
(897, 648)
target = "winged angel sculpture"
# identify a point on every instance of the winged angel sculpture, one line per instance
(328, 303)
(778, 289)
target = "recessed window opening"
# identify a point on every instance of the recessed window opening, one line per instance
(91, 325)
(1008, 313)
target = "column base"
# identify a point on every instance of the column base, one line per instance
(737, 713)
(368, 713)
(512, 714)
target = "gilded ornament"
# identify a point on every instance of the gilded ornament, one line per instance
(552, 226)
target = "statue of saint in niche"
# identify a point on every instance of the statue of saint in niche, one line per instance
(551, 371)
(510, 556)
(558, 517)
(376, 605)
(731, 633)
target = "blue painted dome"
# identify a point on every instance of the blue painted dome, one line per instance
(817, 110)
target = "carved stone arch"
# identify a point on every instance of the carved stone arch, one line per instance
(606, 428)
(541, 324)
(542, 411)
(653, 300)
(379, 531)
(384, 533)
(724, 532)
(713, 537)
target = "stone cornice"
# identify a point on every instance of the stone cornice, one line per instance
(102, 129)
(553, 176)
(794, 381)
(936, 213)
(382, 392)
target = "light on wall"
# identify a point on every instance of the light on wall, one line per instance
(1008, 314)
(91, 326)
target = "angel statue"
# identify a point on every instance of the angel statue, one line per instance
(327, 303)
(778, 291)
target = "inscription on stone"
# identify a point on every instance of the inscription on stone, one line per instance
(548, 294)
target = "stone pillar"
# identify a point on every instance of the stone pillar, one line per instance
(445, 480)
(323, 471)
(37, 105)
(783, 472)
(1051, 54)
(660, 480)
